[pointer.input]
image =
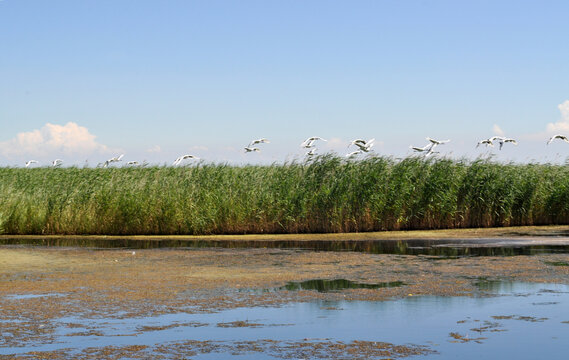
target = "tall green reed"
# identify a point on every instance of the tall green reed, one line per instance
(324, 194)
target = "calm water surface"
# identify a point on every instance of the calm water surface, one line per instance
(524, 321)
(503, 246)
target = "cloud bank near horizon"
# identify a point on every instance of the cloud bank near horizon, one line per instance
(52, 140)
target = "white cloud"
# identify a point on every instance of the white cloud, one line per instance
(199, 148)
(564, 108)
(563, 124)
(498, 130)
(336, 143)
(154, 149)
(53, 140)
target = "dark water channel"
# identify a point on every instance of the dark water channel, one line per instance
(435, 247)
(327, 285)
(523, 321)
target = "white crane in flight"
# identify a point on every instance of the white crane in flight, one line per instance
(308, 143)
(184, 157)
(249, 149)
(558, 136)
(312, 152)
(363, 145)
(354, 153)
(258, 141)
(502, 140)
(426, 149)
(487, 142)
(438, 142)
(114, 159)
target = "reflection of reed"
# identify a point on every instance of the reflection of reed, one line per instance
(326, 194)
(446, 248)
(325, 285)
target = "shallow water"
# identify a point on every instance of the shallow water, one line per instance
(524, 321)
(503, 246)
(31, 296)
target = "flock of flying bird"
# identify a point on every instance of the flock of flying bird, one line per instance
(310, 143)
(362, 146)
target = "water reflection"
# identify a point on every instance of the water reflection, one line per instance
(434, 247)
(324, 285)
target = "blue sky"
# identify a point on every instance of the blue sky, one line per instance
(156, 79)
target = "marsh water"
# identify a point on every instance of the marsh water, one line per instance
(502, 246)
(519, 320)
(504, 319)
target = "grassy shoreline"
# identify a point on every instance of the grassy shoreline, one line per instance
(325, 195)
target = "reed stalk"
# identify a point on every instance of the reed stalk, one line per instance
(325, 194)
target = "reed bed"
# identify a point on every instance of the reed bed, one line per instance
(326, 194)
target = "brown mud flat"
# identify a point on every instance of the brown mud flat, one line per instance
(308, 349)
(39, 285)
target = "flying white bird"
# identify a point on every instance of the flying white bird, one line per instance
(308, 143)
(312, 152)
(363, 145)
(438, 142)
(56, 162)
(429, 153)
(558, 136)
(249, 149)
(28, 163)
(112, 160)
(184, 157)
(487, 142)
(133, 163)
(258, 141)
(427, 148)
(502, 140)
(430, 147)
(354, 153)
(357, 141)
